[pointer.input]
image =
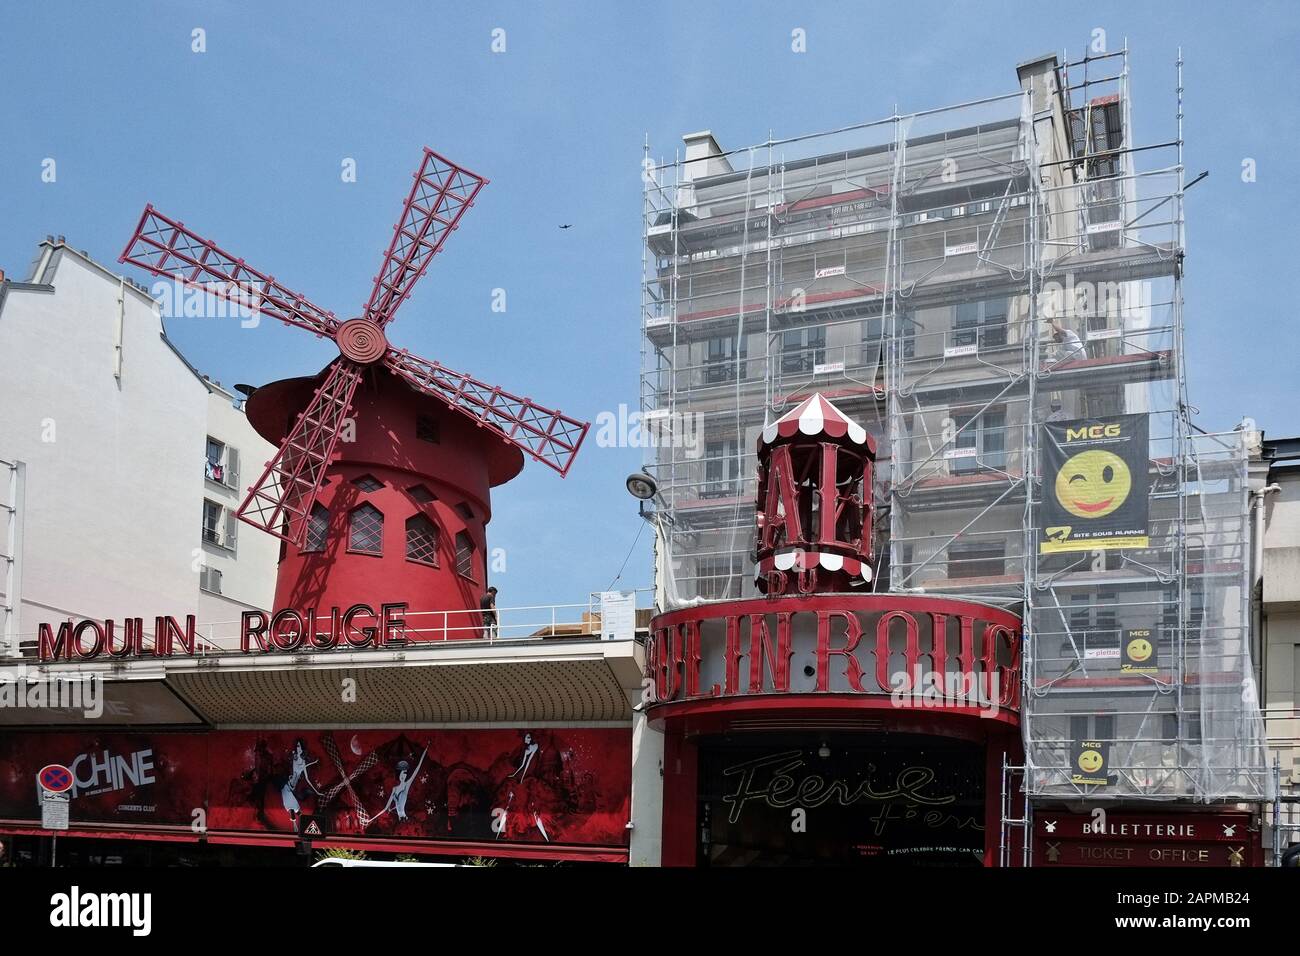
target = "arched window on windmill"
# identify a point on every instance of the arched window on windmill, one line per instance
(465, 555)
(421, 540)
(366, 530)
(317, 528)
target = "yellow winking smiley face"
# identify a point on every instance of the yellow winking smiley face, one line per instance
(1090, 761)
(1093, 484)
(1139, 649)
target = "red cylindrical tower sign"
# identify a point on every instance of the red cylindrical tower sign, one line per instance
(815, 469)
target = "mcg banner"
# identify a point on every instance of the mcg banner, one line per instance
(1095, 484)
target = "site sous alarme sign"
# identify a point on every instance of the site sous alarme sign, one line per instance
(289, 629)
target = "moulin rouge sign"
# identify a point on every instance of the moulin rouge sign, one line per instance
(960, 652)
(356, 627)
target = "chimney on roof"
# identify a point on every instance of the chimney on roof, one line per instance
(703, 156)
(1039, 76)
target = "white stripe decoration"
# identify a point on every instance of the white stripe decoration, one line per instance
(810, 417)
(812, 420)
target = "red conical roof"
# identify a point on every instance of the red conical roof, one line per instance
(817, 416)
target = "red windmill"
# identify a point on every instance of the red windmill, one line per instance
(421, 442)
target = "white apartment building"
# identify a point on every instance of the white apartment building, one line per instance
(120, 461)
(1277, 591)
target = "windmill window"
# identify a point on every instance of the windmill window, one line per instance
(426, 428)
(317, 528)
(421, 494)
(421, 540)
(464, 555)
(465, 511)
(366, 530)
(368, 483)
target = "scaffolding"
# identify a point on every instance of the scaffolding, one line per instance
(12, 484)
(954, 279)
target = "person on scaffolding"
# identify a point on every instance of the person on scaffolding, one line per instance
(1068, 344)
(488, 605)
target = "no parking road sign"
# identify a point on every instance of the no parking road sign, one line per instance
(55, 778)
(55, 781)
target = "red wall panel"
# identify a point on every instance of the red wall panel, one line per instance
(540, 786)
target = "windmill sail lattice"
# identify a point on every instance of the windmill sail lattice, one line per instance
(282, 497)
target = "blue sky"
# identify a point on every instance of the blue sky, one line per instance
(244, 143)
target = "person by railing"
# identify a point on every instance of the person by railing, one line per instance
(1068, 344)
(488, 604)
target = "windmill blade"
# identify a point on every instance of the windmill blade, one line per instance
(441, 194)
(165, 247)
(542, 433)
(280, 501)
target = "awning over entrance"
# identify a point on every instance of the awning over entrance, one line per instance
(528, 681)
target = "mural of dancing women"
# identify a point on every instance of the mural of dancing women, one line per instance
(529, 798)
(397, 798)
(298, 772)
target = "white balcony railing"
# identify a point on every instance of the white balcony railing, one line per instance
(528, 623)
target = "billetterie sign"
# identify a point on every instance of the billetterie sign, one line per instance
(359, 626)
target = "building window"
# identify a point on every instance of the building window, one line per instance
(907, 326)
(211, 522)
(720, 359)
(464, 555)
(221, 463)
(421, 495)
(465, 511)
(977, 559)
(803, 349)
(987, 434)
(721, 469)
(426, 429)
(368, 483)
(317, 528)
(220, 527)
(983, 323)
(1093, 619)
(421, 540)
(873, 339)
(210, 579)
(214, 466)
(719, 577)
(366, 530)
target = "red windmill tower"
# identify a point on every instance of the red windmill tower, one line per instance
(380, 487)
